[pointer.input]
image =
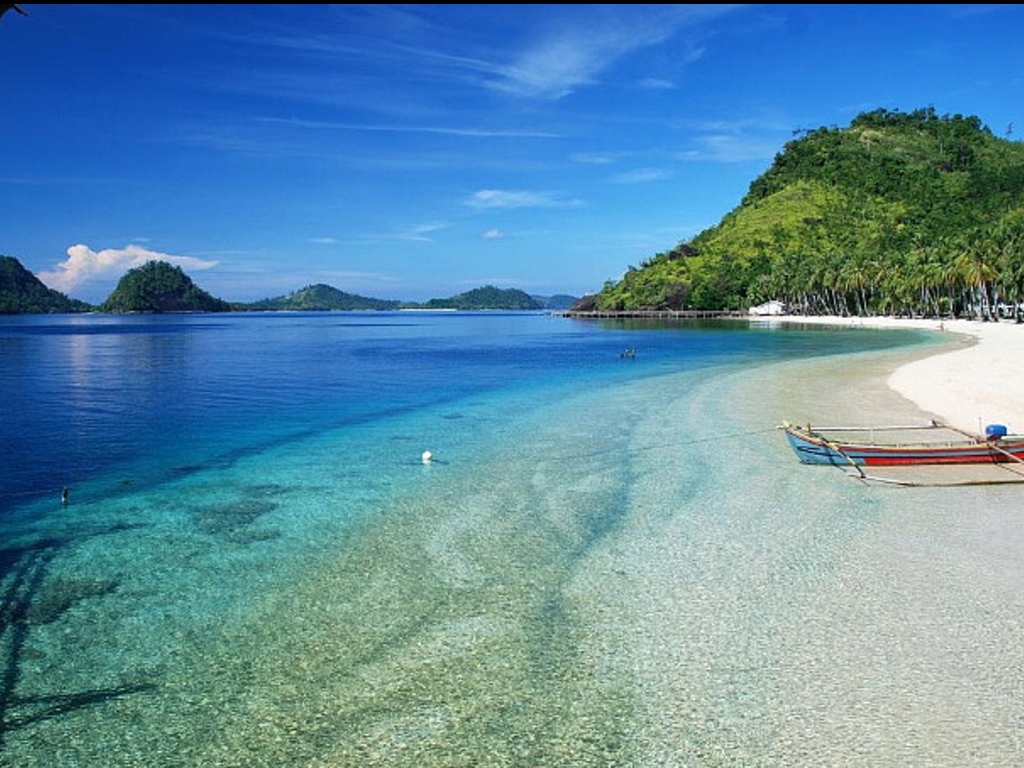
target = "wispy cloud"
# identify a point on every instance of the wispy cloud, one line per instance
(597, 158)
(642, 176)
(85, 266)
(963, 10)
(423, 231)
(493, 234)
(574, 55)
(732, 148)
(500, 198)
(466, 131)
(737, 141)
(420, 233)
(543, 56)
(656, 84)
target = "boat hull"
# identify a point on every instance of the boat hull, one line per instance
(813, 449)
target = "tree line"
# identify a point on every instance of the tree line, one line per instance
(899, 214)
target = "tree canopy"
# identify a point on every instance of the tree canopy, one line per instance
(321, 298)
(487, 297)
(21, 292)
(900, 213)
(157, 286)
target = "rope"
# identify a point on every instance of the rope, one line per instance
(835, 447)
(954, 484)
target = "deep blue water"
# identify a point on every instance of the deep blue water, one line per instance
(91, 400)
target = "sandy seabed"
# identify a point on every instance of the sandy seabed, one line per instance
(794, 615)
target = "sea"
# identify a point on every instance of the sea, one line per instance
(482, 539)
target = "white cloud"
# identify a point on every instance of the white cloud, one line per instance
(85, 266)
(493, 234)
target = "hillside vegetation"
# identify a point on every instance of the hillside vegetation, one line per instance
(487, 297)
(319, 298)
(157, 286)
(900, 213)
(21, 292)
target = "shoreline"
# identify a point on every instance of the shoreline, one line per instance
(979, 384)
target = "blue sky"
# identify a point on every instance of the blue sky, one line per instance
(418, 151)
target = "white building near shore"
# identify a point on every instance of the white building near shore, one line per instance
(773, 307)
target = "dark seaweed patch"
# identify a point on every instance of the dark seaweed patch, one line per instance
(227, 519)
(57, 597)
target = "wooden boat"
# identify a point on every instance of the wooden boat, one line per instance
(933, 443)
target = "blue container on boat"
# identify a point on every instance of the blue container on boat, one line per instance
(995, 431)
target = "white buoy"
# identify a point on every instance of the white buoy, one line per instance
(427, 457)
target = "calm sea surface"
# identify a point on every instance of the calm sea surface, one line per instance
(107, 404)
(600, 566)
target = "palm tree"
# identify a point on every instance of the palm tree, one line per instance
(977, 274)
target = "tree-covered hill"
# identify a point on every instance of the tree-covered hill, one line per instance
(160, 287)
(321, 297)
(900, 213)
(157, 287)
(487, 297)
(23, 293)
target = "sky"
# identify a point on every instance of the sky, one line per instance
(410, 152)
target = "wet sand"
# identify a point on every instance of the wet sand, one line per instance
(978, 381)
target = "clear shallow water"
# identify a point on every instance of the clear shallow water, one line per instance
(255, 567)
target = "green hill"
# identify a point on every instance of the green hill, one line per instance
(157, 287)
(900, 213)
(321, 297)
(160, 287)
(21, 292)
(487, 297)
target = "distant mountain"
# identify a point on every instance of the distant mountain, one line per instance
(558, 301)
(161, 287)
(487, 297)
(321, 298)
(22, 293)
(324, 298)
(157, 287)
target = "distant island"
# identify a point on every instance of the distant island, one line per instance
(22, 293)
(158, 287)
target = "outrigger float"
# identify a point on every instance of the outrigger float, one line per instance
(905, 446)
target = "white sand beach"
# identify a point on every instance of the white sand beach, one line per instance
(980, 384)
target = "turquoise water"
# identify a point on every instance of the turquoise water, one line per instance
(609, 562)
